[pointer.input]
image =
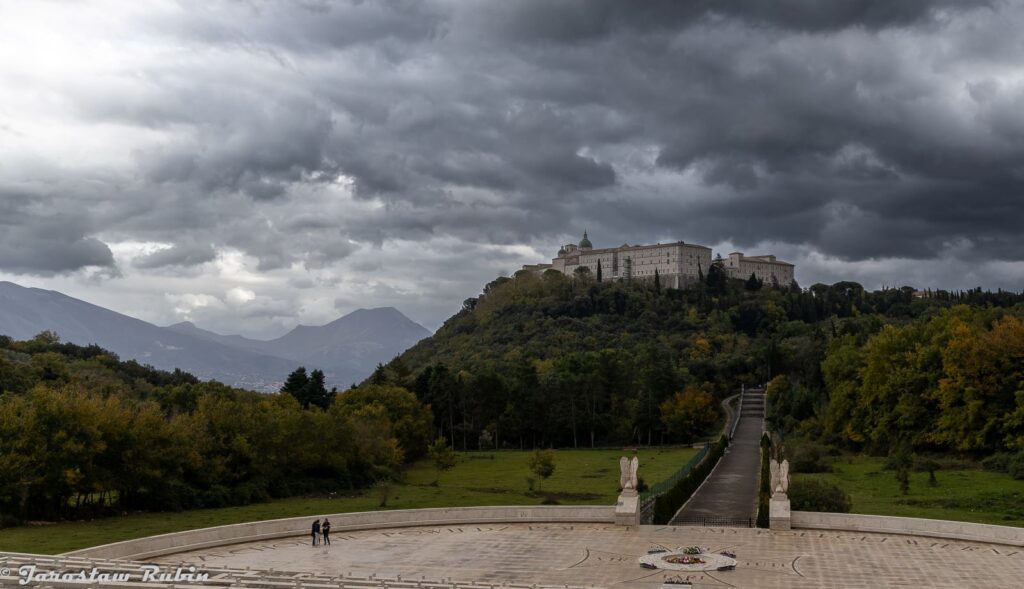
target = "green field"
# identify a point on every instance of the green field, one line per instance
(582, 477)
(961, 494)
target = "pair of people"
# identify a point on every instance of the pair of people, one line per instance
(322, 531)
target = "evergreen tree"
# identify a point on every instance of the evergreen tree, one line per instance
(379, 376)
(717, 278)
(295, 385)
(657, 281)
(599, 270)
(316, 391)
(753, 283)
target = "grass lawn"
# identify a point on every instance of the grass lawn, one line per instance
(582, 477)
(962, 495)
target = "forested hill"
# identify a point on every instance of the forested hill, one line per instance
(84, 434)
(557, 360)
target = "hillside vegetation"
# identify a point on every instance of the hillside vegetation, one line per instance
(581, 477)
(535, 362)
(569, 361)
(85, 434)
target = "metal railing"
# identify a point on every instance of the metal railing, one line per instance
(714, 520)
(739, 412)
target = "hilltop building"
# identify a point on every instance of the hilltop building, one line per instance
(677, 264)
(767, 269)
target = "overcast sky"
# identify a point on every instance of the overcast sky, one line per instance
(252, 165)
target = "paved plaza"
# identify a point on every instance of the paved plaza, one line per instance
(606, 556)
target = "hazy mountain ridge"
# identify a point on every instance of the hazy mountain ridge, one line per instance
(347, 349)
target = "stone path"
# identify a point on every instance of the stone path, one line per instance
(729, 496)
(607, 556)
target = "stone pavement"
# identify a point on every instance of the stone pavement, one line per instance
(730, 492)
(606, 556)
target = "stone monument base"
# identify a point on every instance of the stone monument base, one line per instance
(779, 517)
(627, 509)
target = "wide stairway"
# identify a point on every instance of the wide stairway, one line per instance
(729, 495)
(132, 573)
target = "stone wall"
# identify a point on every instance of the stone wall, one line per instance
(164, 544)
(910, 526)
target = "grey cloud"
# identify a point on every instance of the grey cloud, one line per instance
(50, 245)
(257, 151)
(177, 255)
(574, 21)
(307, 26)
(857, 130)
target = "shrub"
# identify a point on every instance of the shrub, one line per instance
(814, 495)
(998, 462)
(928, 465)
(1016, 466)
(810, 458)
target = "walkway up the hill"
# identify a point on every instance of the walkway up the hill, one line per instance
(729, 496)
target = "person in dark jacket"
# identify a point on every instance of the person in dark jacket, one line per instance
(325, 530)
(316, 532)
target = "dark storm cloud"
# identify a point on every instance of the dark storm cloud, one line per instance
(47, 244)
(572, 21)
(309, 134)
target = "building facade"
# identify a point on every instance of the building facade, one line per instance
(677, 264)
(767, 269)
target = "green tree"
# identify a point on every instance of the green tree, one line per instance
(410, 420)
(296, 385)
(753, 283)
(689, 414)
(316, 392)
(901, 460)
(379, 375)
(542, 464)
(443, 456)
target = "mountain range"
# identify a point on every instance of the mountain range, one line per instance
(347, 349)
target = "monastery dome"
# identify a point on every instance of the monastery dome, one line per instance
(585, 242)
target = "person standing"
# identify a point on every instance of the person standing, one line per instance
(316, 532)
(325, 529)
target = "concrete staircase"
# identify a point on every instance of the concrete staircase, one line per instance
(753, 404)
(729, 495)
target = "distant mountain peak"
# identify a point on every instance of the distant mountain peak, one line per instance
(346, 349)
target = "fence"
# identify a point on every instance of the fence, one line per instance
(648, 497)
(736, 414)
(714, 520)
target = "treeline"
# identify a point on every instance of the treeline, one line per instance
(84, 434)
(947, 382)
(552, 360)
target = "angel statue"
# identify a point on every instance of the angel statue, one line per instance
(627, 476)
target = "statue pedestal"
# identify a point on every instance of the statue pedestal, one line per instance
(779, 512)
(627, 508)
